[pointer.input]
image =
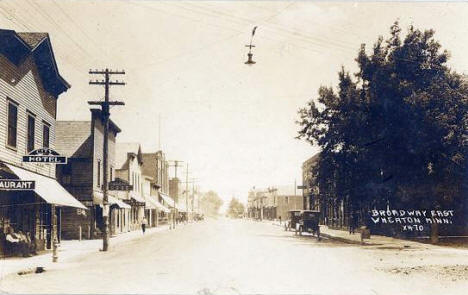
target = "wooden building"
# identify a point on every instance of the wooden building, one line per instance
(128, 163)
(82, 142)
(30, 85)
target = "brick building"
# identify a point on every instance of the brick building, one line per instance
(311, 190)
(287, 199)
(156, 166)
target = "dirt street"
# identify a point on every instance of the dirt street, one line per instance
(245, 257)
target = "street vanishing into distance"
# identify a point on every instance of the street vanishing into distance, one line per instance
(242, 256)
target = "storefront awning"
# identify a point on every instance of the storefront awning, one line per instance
(47, 188)
(137, 198)
(98, 198)
(181, 207)
(162, 208)
(169, 201)
(149, 203)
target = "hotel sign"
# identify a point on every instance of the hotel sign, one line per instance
(17, 185)
(45, 155)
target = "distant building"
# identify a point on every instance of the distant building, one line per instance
(311, 190)
(287, 199)
(333, 211)
(175, 189)
(256, 203)
(30, 85)
(129, 163)
(156, 169)
(156, 166)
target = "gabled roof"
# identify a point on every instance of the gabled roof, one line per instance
(72, 138)
(112, 125)
(32, 39)
(17, 46)
(123, 150)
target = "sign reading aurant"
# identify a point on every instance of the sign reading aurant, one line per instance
(45, 155)
(17, 185)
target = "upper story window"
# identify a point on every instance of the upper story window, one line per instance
(99, 173)
(138, 182)
(31, 132)
(12, 124)
(45, 135)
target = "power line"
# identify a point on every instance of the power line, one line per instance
(105, 116)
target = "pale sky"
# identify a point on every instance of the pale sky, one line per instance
(233, 124)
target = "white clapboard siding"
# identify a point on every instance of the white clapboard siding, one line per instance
(23, 85)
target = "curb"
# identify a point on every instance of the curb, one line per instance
(344, 240)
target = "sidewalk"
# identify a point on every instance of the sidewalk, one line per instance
(68, 250)
(382, 242)
(375, 240)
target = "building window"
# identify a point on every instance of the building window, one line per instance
(31, 132)
(111, 174)
(99, 173)
(287, 200)
(45, 135)
(66, 173)
(12, 124)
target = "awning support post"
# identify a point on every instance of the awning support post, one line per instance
(54, 233)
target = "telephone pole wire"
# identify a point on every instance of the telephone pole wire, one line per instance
(105, 110)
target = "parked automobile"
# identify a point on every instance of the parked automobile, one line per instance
(293, 218)
(309, 222)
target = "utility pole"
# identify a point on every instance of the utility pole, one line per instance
(193, 196)
(193, 180)
(105, 110)
(186, 192)
(176, 164)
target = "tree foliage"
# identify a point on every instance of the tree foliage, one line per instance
(210, 203)
(396, 130)
(236, 208)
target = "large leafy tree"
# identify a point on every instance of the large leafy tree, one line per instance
(396, 131)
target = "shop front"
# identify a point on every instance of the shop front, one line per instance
(32, 212)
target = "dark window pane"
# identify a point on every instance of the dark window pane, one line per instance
(99, 174)
(45, 136)
(12, 124)
(31, 131)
